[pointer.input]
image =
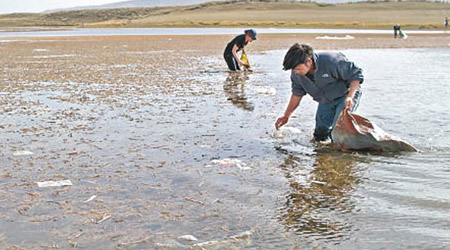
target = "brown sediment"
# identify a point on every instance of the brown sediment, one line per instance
(88, 50)
(65, 53)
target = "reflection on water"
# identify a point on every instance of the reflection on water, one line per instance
(234, 88)
(320, 194)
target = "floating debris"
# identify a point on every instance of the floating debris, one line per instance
(209, 244)
(319, 182)
(231, 162)
(23, 153)
(105, 217)
(188, 237)
(135, 242)
(41, 50)
(286, 132)
(54, 183)
(90, 199)
(346, 37)
(171, 244)
(193, 200)
(243, 235)
(266, 91)
(231, 239)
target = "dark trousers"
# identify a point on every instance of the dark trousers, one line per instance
(327, 115)
(231, 62)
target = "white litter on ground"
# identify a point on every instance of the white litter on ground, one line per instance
(286, 132)
(22, 153)
(53, 56)
(90, 199)
(266, 91)
(346, 37)
(188, 237)
(242, 235)
(10, 41)
(54, 183)
(231, 239)
(41, 50)
(230, 162)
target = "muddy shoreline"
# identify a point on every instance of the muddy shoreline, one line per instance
(142, 126)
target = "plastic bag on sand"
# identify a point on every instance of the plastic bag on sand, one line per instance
(346, 37)
(22, 153)
(188, 237)
(231, 162)
(54, 183)
(286, 132)
(354, 132)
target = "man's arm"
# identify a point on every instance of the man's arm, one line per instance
(293, 104)
(234, 51)
(354, 86)
(349, 72)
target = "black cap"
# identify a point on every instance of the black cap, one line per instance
(252, 33)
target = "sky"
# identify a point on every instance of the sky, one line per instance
(9, 6)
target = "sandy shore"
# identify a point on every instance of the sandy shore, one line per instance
(79, 51)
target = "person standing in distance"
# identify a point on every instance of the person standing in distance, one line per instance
(234, 46)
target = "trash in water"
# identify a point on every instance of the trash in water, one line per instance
(90, 199)
(54, 183)
(171, 244)
(286, 132)
(209, 244)
(231, 239)
(266, 91)
(231, 162)
(243, 235)
(193, 200)
(41, 50)
(22, 153)
(354, 132)
(188, 237)
(346, 37)
(105, 217)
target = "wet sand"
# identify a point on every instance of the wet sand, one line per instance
(137, 121)
(70, 58)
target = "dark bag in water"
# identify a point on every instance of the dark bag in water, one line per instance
(354, 132)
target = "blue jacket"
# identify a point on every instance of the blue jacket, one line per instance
(331, 79)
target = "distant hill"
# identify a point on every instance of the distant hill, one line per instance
(137, 4)
(411, 15)
(168, 3)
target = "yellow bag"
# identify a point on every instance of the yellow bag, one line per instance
(244, 59)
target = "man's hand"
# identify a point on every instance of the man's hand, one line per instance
(348, 103)
(281, 121)
(240, 63)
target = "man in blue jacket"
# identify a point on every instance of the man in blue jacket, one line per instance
(331, 80)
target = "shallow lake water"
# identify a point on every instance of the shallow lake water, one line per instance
(151, 154)
(61, 32)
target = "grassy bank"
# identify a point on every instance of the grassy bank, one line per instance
(414, 15)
